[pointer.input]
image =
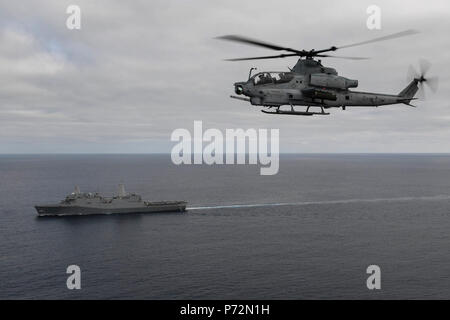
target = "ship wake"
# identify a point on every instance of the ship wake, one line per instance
(326, 202)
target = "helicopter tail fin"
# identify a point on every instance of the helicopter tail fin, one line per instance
(408, 93)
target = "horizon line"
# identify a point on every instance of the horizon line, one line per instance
(247, 153)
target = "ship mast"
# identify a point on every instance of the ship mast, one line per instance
(122, 192)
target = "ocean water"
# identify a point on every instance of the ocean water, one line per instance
(308, 232)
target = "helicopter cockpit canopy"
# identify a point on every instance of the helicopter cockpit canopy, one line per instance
(271, 78)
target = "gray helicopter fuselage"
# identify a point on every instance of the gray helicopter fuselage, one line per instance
(293, 92)
(311, 84)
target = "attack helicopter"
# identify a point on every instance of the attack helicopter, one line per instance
(313, 85)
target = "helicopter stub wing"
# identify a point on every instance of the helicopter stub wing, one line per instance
(240, 98)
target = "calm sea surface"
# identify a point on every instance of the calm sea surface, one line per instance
(340, 214)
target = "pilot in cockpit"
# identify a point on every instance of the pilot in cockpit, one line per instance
(265, 78)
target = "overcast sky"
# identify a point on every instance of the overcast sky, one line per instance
(137, 70)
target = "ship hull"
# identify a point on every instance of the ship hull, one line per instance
(59, 210)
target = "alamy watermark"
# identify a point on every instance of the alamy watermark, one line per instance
(236, 146)
(374, 19)
(73, 21)
(374, 280)
(74, 280)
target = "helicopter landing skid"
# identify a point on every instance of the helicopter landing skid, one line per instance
(297, 113)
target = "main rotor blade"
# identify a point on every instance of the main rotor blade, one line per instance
(264, 57)
(254, 42)
(341, 57)
(388, 37)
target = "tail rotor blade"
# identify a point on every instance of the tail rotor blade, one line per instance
(432, 83)
(421, 92)
(424, 67)
(421, 80)
(412, 74)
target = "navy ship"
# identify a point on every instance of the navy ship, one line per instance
(81, 203)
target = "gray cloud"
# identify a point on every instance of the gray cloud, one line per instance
(138, 70)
